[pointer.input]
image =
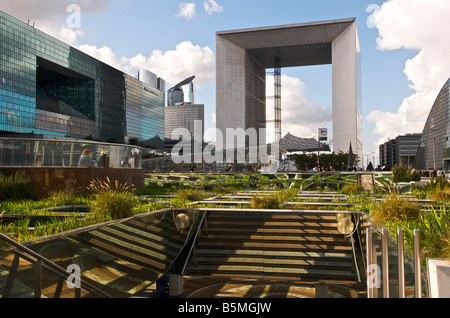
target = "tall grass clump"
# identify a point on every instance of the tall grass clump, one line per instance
(190, 195)
(17, 187)
(439, 189)
(272, 201)
(434, 227)
(62, 197)
(401, 174)
(112, 200)
(395, 208)
(350, 189)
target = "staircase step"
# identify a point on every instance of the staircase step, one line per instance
(267, 272)
(233, 237)
(334, 256)
(280, 246)
(276, 231)
(275, 262)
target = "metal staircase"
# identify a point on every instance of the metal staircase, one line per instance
(302, 246)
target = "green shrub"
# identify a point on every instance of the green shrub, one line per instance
(400, 174)
(441, 195)
(434, 227)
(62, 197)
(111, 205)
(395, 208)
(113, 200)
(446, 247)
(271, 201)
(266, 202)
(16, 187)
(190, 195)
(437, 183)
(352, 189)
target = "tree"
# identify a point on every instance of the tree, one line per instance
(309, 160)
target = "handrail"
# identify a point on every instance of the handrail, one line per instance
(355, 237)
(187, 249)
(52, 265)
(199, 228)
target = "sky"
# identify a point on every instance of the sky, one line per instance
(404, 52)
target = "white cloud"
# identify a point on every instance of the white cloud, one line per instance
(173, 66)
(416, 25)
(187, 11)
(299, 116)
(211, 7)
(50, 16)
(107, 56)
(213, 118)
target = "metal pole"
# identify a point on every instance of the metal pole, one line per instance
(401, 264)
(38, 279)
(417, 276)
(385, 262)
(369, 251)
(318, 149)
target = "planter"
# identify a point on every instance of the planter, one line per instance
(438, 278)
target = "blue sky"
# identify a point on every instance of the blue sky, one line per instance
(403, 66)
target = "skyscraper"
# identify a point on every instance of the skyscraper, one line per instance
(52, 90)
(181, 114)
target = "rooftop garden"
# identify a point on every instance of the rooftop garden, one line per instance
(25, 217)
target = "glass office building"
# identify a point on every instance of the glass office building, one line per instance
(52, 90)
(434, 149)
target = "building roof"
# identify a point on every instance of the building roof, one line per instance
(292, 144)
(295, 44)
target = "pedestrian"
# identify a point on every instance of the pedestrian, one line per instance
(85, 159)
(103, 160)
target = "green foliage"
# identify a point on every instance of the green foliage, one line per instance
(16, 187)
(272, 201)
(434, 227)
(437, 183)
(438, 189)
(190, 195)
(20, 232)
(159, 188)
(114, 205)
(113, 200)
(401, 174)
(61, 198)
(350, 189)
(441, 195)
(395, 208)
(309, 161)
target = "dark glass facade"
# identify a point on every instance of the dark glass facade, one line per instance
(434, 149)
(51, 89)
(175, 96)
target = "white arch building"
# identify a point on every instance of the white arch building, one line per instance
(242, 57)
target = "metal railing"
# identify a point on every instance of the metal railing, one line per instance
(374, 279)
(357, 246)
(40, 263)
(188, 252)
